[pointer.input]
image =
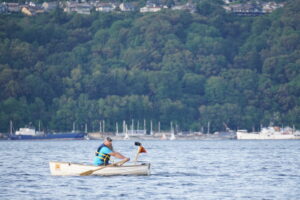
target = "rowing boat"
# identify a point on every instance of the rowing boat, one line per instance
(73, 169)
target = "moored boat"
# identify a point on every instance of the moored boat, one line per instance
(173, 136)
(73, 169)
(30, 133)
(269, 133)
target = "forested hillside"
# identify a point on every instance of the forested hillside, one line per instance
(190, 69)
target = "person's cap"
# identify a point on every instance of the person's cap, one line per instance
(109, 139)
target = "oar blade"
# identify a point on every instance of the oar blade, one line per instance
(87, 173)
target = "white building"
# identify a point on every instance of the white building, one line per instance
(81, 8)
(49, 5)
(106, 7)
(127, 7)
(271, 6)
(151, 7)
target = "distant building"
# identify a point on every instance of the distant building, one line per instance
(247, 9)
(186, 7)
(84, 9)
(127, 7)
(31, 4)
(81, 8)
(228, 1)
(271, 6)
(31, 10)
(3, 8)
(48, 6)
(106, 7)
(251, 9)
(13, 7)
(26, 11)
(151, 7)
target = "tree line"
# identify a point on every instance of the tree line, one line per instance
(191, 69)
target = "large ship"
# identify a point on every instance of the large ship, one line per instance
(30, 133)
(269, 133)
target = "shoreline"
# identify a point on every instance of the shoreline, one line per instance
(162, 137)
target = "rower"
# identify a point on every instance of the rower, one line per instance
(104, 152)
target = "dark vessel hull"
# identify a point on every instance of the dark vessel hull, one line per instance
(57, 136)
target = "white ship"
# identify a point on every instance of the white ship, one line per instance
(269, 133)
(26, 131)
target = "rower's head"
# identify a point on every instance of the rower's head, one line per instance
(108, 141)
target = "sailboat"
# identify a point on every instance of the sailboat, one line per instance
(172, 136)
(126, 137)
(172, 132)
(163, 136)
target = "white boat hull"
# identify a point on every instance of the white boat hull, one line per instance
(258, 136)
(72, 169)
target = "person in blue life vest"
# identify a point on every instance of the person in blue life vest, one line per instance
(104, 152)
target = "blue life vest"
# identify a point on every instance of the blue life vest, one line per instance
(104, 157)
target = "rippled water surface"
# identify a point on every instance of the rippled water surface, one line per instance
(227, 169)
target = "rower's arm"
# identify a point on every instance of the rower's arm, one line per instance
(117, 155)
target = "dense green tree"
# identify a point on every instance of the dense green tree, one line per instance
(215, 90)
(212, 67)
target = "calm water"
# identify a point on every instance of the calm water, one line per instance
(180, 170)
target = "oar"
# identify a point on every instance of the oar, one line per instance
(89, 172)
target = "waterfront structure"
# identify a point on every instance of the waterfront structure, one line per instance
(272, 133)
